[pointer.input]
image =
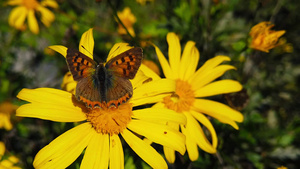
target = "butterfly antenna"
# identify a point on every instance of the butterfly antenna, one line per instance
(86, 50)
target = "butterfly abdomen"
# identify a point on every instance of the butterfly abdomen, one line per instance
(103, 82)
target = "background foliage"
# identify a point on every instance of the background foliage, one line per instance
(269, 137)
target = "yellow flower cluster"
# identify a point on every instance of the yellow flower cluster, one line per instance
(179, 106)
(29, 9)
(128, 19)
(6, 110)
(7, 162)
(263, 38)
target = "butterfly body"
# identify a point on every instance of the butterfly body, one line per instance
(104, 85)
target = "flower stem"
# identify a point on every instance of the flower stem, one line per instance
(119, 20)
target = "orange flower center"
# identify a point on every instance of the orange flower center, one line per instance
(182, 99)
(30, 4)
(110, 120)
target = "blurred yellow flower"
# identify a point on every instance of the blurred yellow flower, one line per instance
(143, 2)
(128, 19)
(29, 9)
(9, 162)
(282, 167)
(6, 109)
(68, 83)
(187, 98)
(263, 38)
(100, 130)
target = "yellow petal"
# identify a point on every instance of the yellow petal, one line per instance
(208, 76)
(169, 152)
(64, 150)
(143, 94)
(210, 64)
(50, 104)
(68, 83)
(50, 3)
(148, 72)
(203, 120)
(159, 133)
(17, 17)
(14, 2)
(148, 100)
(161, 115)
(116, 153)
(2, 149)
(139, 79)
(219, 87)
(47, 15)
(191, 145)
(14, 14)
(96, 153)
(195, 131)
(117, 49)
(51, 112)
(189, 61)
(164, 63)
(86, 44)
(32, 22)
(7, 123)
(174, 53)
(60, 49)
(220, 111)
(144, 150)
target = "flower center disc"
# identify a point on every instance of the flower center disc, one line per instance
(30, 4)
(110, 120)
(182, 99)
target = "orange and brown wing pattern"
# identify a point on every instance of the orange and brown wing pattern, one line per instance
(79, 64)
(126, 64)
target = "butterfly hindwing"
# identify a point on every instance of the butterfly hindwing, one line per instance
(127, 63)
(119, 92)
(79, 64)
(88, 92)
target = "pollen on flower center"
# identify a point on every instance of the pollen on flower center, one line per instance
(30, 4)
(182, 99)
(110, 120)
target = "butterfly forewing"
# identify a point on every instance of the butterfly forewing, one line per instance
(79, 64)
(126, 64)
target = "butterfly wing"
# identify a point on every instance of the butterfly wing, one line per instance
(126, 64)
(79, 64)
(83, 70)
(122, 68)
(119, 92)
(87, 91)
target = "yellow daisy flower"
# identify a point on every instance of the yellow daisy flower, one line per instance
(128, 19)
(263, 38)
(100, 130)
(187, 99)
(6, 109)
(28, 9)
(10, 161)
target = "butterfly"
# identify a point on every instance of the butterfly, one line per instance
(104, 85)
